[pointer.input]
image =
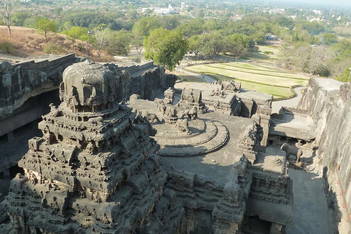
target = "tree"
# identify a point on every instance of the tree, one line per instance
(321, 70)
(313, 28)
(194, 44)
(211, 44)
(329, 39)
(236, 44)
(77, 32)
(19, 18)
(145, 25)
(137, 43)
(45, 25)
(345, 76)
(6, 11)
(192, 27)
(165, 47)
(100, 35)
(119, 42)
(285, 22)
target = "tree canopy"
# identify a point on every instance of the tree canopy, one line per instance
(77, 32)
(165, 47)
(46, 25)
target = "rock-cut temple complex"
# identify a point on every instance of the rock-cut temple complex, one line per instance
(114, 158)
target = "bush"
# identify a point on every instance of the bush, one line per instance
(321, 70)
(7, 47)
(51, 48)
(345, 76)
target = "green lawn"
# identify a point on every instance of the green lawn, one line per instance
(261, 78)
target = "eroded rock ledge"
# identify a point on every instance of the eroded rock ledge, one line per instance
(328, 102)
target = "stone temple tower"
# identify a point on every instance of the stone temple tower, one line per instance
(95, 169)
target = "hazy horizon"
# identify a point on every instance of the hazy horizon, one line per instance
(316, 2)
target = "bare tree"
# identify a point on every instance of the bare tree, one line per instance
(101, 35)
(6, 11)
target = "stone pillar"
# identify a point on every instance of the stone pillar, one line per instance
(276, 228)
(265, 124)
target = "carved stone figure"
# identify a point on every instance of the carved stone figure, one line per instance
(183, 125)
(169, 96)
(193, 113)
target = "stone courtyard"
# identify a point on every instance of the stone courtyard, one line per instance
(114, 157)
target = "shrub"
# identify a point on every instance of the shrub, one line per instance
(321, 70)
(51, 48)
(345, 76)
(7, 47)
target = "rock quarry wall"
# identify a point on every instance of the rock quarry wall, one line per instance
(148, 81)
(21, 81)
(23, 87)
(329, 103)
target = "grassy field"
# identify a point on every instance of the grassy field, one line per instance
(262, 78)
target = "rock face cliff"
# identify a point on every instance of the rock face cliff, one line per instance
(328, 102)
(147, 80)
(19, 82)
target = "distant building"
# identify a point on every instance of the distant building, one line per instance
(170, 10)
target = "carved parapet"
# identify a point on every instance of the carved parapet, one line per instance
(249, 143)
(228, 213)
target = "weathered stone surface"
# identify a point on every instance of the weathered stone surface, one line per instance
(211, 167)
(95, 169)
(328, 102)
(21, 81)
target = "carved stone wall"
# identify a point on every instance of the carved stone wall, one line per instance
(148, 81)
(95, 169)
(329, 103)
(21, 81)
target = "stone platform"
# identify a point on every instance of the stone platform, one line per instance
(205, 136)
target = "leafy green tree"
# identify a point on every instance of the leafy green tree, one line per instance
(145, 25)
(77, 32)
(345, 76)
(46, 25)
(19, 18)
(329, 39)
(194, 44)
(118, 43)
(165, 47)
(342, 49)
(313, 28)
(170, 22)
(321, 70)
(192, 27)
(211, 44)
(89, 19)
(236, 44)
(285, 22)
(137, 43)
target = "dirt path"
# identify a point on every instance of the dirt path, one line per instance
(292, 102)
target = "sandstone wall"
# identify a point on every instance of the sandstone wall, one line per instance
(329, 103)
(21, 81)
(148, 81)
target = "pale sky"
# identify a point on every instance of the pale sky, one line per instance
(322, 2)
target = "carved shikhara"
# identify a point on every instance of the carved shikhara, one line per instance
(97, 170)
